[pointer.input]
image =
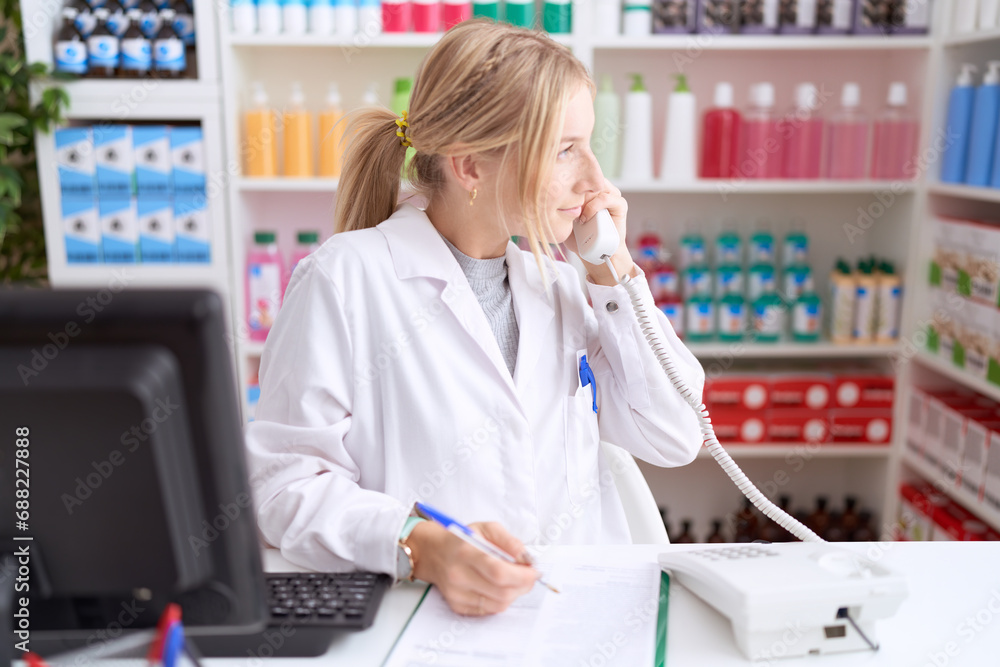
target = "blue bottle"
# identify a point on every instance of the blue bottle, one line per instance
(979, 168)
(958, 127)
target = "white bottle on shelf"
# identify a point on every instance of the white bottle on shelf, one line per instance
(345, 18)
(320, 17)
(370, 17)
(244, 17)
(269, 17)
(964, 17)
(637, 153)
(294, 17)
(637, 18)
(989, 11)
(679, 152)
(607, 18)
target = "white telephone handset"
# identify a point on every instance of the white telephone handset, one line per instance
(863, 592)
(596, 238)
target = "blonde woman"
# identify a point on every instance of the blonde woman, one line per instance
(420, 355)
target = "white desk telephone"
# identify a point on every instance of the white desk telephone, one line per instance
(782, 599)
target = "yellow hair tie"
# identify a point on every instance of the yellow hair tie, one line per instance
(401, 132)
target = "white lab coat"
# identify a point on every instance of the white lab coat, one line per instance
(382, 383)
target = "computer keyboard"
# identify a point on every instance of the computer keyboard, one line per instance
(343, 600)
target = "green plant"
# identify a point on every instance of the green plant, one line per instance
(22, 236)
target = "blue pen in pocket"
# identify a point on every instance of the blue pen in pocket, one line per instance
(587, 377)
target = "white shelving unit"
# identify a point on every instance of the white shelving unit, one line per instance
(228, 64)
(825, 206)
(923, 368)
(123, 101)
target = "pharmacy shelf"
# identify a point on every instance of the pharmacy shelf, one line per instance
(127, 100)
(965, 192)
(708, 42)
(249, 184)
(972, 38)
(726, 187)
(789, 350)
(805, 450)
(949, 370)
(959, 494)
(114, 277)
(381, 41)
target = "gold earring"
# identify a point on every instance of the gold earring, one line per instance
(472, 195)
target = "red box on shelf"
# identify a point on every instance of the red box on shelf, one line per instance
(871, 426)
(791, 425)
(813, 391)
(863, 390)
(747, 392)
(739, 426)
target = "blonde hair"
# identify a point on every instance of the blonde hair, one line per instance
(484, 88)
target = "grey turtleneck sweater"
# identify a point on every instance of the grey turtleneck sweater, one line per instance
(488, 279)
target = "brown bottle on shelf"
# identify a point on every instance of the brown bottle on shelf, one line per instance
(864, 532)
(819, 520)
(770, 531)
(849, 519)
(685, 537)
(835, 529)
(785, 502)
(716, 536)
(746, 523)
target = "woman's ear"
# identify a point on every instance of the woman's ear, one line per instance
(467, 170)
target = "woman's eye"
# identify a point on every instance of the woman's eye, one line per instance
(564, 152)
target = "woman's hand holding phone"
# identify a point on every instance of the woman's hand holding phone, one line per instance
(610, 199)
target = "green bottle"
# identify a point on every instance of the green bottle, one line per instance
(520, 13)
(768, 318)
(732, 318)
(761, 280)
(487, 9)
(807, 317)
(728, 248)
(557, 16)
(728, 280)
(699, 318)
(762, 248)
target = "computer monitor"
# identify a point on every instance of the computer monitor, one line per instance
(121, 443)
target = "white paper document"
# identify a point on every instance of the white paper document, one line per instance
(603, 615)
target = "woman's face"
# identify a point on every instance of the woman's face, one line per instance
(576, 176)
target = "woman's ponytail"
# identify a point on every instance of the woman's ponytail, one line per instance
(370, 178)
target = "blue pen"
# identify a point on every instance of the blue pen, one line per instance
(587, 377)
(173, 644)
(466, 534)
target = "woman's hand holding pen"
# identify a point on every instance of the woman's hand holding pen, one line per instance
(473, 583)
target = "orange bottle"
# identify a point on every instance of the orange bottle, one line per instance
(331, 135)
(260, 148)
(298, 137)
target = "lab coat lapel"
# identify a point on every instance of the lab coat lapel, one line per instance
(419, 251)
(534, 310)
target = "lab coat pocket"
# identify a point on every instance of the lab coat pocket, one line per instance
(582, 444)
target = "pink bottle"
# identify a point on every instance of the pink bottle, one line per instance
(720, 145)
(308, 243)
(894, 147)
(263, 284)
(802, 130)
(397, 15)
(761, 154)
(456, 11)
(426, 15)
(847, 138)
